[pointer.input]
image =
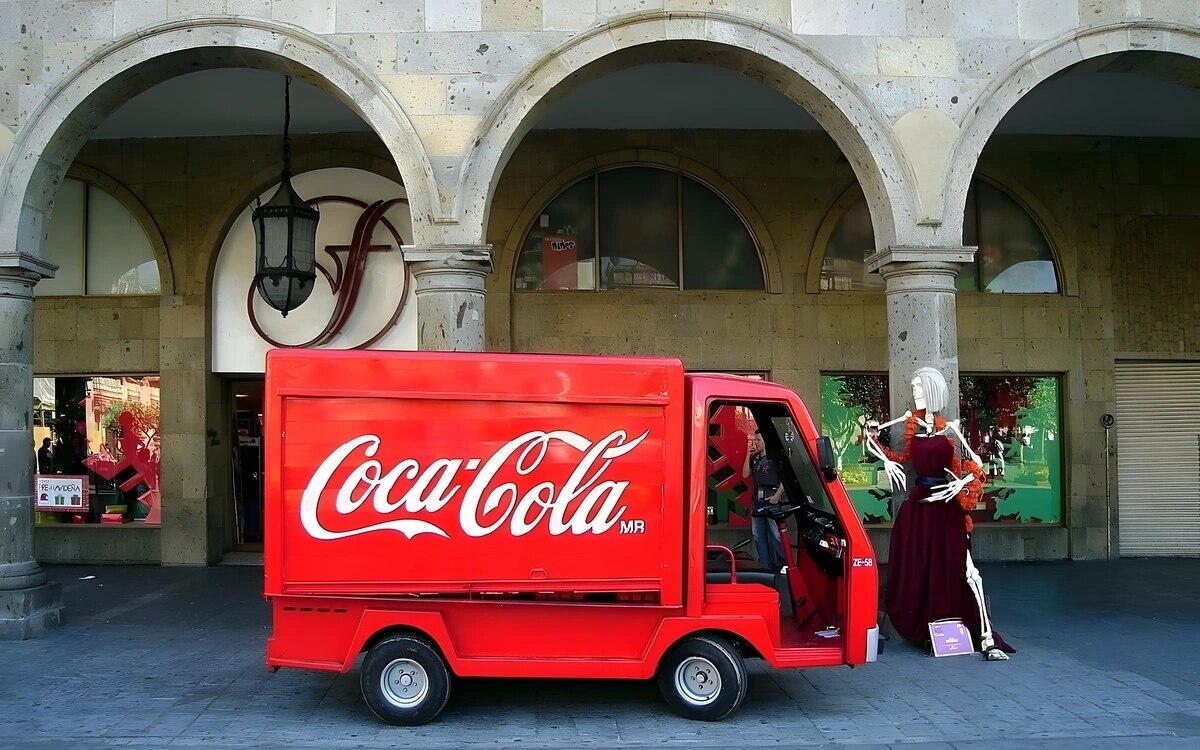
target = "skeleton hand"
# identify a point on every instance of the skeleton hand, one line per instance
(950, 490)
(895, 474)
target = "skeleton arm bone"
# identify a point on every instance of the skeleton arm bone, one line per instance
(953, 427)
(897, 420)
(895, 472)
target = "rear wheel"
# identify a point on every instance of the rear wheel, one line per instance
(703, 678)
(405, 680)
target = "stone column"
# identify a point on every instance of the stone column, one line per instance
(449, 289)
(922, 322)
(28, 605)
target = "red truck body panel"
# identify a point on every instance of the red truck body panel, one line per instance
(527, 513)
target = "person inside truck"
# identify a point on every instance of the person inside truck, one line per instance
(767, 490)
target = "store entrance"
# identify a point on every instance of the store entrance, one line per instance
(247, 447)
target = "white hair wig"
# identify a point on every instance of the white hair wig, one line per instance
(934, 385)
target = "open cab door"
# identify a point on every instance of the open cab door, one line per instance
(827, 584)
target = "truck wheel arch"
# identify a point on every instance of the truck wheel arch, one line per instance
(378, 625)
(662, 645)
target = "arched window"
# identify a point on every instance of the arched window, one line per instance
(98, 246)
(1014, 254)
(638, 227)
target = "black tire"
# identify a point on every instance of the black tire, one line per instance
(405, 681)
(703, 678)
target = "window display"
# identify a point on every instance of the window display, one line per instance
(1011, 421)
(105, 431)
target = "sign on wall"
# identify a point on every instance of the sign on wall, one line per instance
(363, 297)
(60, 493)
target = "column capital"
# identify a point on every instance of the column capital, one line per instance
(18, 265)
(469, 258)
(920, 255)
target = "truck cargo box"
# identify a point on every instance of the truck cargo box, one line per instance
(406, 473)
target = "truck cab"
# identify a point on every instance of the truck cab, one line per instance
(826, 593)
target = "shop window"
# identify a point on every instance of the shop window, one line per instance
(1011, 421)
(1014, 254)
(635, 228)
(99, 247)
(96, 442)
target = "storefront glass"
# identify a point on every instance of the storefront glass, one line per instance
(1014, 254)
(638, 228)
(100, 434)
(98, 246)
(1011, 421)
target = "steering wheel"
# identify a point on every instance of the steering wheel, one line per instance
(818, 532)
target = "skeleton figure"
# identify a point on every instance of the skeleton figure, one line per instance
(930, 441)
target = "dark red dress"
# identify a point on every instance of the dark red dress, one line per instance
(927, 558)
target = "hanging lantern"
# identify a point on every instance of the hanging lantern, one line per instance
(285, 236)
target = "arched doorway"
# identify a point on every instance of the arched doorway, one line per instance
(1106, 143)
(183, 179)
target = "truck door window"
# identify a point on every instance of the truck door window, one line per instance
(731, 424)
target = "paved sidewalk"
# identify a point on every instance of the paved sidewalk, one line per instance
(174, 656)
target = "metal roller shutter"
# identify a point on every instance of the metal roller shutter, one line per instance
(1158, 457)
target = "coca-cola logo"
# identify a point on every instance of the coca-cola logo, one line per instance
(585, 503)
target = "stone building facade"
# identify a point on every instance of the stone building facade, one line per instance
(906, 99)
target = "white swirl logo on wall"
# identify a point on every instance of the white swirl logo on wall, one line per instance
(436, 485)
(345, 281)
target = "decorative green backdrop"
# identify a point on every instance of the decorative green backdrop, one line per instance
(1011, 421)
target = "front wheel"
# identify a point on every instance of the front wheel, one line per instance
(405, 681)
(703, 678)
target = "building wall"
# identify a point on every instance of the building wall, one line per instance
(452, 65)
(914, 87)
(1128, 208)
(1068, 185)
(1113, 246)
(86, 335)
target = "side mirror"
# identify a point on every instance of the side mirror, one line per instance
(825, 460)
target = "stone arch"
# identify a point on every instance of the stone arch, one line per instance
(770, 56)
(1065, 263)
(132, 204)
(506, 259)
(50, 139)
(1039, 65)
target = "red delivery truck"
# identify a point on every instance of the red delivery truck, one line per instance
(512, 515)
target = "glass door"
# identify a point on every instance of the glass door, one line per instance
(247, 447)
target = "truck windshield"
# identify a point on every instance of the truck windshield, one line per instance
(802, 464)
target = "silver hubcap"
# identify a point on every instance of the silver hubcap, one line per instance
(404, 683)
(697, 680)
